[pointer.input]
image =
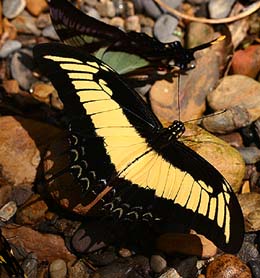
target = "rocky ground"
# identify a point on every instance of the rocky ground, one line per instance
(51, 242)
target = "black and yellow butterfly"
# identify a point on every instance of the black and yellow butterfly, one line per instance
(8, 261)
(126, 53)
(127, 162)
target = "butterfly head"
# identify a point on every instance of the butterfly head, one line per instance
(181, 57)
(176, 129)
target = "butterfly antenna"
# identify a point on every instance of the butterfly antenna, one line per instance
(207, 44)
(178, 96)
(206, 116)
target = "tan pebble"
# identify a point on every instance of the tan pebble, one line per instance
(158, 263)
(171, 273)
(250, 205)
(228, 266)
(132, 24)
(11, 86)
(124, 253)
(58, 269)
(8, 211)
(42, 92)
(236, 90)
(117, 21)
(36, 7)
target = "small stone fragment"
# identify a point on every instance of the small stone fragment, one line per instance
(124, 253)
(58, 269)
(9, 47)
(228, 266)
(254, 265)
(220, 8)
(12, 8)
(158, 263)
(8, 211)
(33, 212)
(26, 24)
(248, 252)
(226, 121)
(250, 154)
(132, 24)
(171, 273)
(47, 247)
(11, 86)
(164, 28)
(106, 8)
(21, 68)
(250, 205)
(77, 269)
(36, 7)
(49, 32)
(151, 8)
(42, 92)
(247, 62)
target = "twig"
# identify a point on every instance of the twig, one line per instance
(249, 10)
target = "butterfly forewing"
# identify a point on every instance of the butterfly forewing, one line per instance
(126, 144)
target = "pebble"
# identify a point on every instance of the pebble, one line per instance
(42, 92)
(151, 9)
(158, 263)
(36, 7)
(94, 13)
(164, 28)
(12, 8)
(248, 252)
(58, 269)
(247, 61)
(187, 267)
(106, 257)
(5, 193)
(250, 205)
(188, 244)
(223, 122)
(9, 47)
(46, 247)
(8, 211)
(254, 266)
(236, 90)
(21, 194)
(227, 266)
(33, 212)
(30, 265)
(26, 24)
(117, 22)
(19, 155)
(43, 20)
(11, 86)
(125, 253)
(132, 23)
(138, 5)
(21, 68)
(49, 32)
(171, 273)
(106, 9)
(77, 269)
(250, 154)
(220, 8)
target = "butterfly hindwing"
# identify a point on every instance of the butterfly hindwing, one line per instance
(126, 144)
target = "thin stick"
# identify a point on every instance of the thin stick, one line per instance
(249, 10)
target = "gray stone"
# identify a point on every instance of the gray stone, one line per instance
(21, 68)
(11, 8)
(220, 8)
(9, 47)
(164, 28)
(49, 32)
(151, 9)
